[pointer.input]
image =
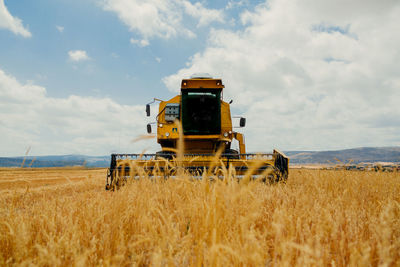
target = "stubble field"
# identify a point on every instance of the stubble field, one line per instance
(64, 217)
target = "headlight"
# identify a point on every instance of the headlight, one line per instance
(167, 134)
(160, 125)
(226, 134)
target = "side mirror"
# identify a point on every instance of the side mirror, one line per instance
(149, 128)
(242, 122)
(148, 110)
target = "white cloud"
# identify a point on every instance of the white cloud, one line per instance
(141, 43)
(236, 4)
(60, 28)
(162, 18)
(78, 55)
(310, 75)
(204, 15)
(14, 24)
(158, 59)
(72, 125)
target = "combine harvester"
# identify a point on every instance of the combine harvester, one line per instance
(195, 132)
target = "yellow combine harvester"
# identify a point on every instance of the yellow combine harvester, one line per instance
(195, 132)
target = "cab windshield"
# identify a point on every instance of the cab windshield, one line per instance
(201, 111)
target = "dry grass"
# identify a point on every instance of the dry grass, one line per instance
(335, 218)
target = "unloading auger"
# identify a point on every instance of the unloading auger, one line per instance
(195, 132)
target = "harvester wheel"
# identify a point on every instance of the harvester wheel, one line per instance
(232, 154)
(165, 154)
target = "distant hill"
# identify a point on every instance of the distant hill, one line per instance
(355, 155)
(56, 161)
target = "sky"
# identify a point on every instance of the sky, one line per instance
(75, 75)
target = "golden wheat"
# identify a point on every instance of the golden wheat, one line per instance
(336, 218)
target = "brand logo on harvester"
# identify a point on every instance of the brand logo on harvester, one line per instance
(174, 130)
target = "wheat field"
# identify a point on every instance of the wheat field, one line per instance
(64, 217)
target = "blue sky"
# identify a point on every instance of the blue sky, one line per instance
(309, 75)
(117, 68)
(126, 72)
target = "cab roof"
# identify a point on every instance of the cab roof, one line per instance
(201, 83)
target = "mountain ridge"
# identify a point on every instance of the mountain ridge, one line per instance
(344, 156)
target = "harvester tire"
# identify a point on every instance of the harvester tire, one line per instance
(165, 154)
(232, 154)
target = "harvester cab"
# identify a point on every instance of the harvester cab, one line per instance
(197, 124)
(200, 116)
